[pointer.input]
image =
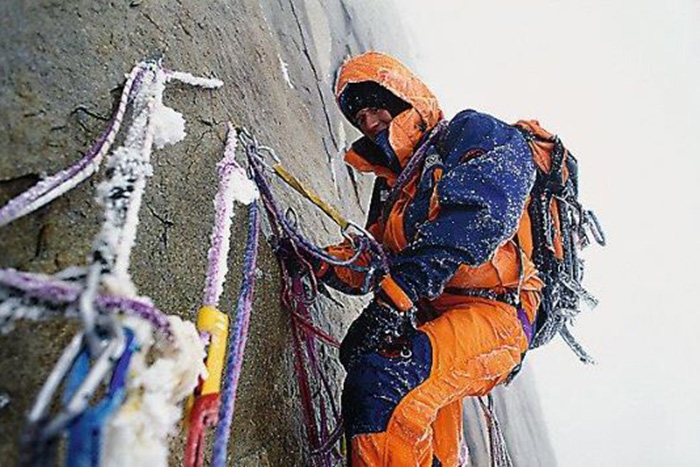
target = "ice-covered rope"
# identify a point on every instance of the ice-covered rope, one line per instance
(54, 186)
(48, 290)
(233, 185)
(120, 195)
(122, 192)
(237, 341)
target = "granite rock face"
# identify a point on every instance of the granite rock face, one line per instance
(61, 68)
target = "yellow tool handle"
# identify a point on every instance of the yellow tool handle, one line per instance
(313, 197)
(215, 323)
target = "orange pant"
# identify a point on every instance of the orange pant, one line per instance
(407, 411)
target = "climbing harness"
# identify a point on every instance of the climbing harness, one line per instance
(104, 348)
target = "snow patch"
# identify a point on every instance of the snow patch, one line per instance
(234, 185)
(139, 432)
(285, 72)
(168, 126)
(245, 191)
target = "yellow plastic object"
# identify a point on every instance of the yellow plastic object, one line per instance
(215, 323)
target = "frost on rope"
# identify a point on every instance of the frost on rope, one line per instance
(15, 308)
(233, 185)
(56, 185)
(164, 373)
(138, 433)
(153, 123)
(187, 78)
(121, 193)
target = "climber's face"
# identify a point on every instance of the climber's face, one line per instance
(372, 121)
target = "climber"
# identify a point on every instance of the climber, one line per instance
(453, 316)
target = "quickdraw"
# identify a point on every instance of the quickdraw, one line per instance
(364, 242)
(104, 347)
(85, 436)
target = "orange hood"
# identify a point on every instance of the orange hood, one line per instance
(407, 128)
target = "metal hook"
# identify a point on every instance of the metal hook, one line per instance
(271, 152)
(100, 369)
(60, 370)
(85, 433)
(359, 228)
(595, 227)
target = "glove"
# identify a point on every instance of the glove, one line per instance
(380, 327)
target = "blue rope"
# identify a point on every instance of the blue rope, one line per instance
(237, 341)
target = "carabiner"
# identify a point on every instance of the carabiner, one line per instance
(88, 314)
(37, 440)
(102, 366)
(351, 224)
(85, 436)
(595, 227)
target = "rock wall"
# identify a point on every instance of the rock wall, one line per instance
(61, 68)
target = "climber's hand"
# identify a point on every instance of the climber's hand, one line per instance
(378, 328)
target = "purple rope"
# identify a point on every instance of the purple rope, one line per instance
(60, 292)
(413, 164)
(322, 440)
(237, 342)
(50, 188)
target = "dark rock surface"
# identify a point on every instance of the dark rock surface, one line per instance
(61, 68)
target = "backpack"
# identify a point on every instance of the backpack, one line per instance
(553, 229)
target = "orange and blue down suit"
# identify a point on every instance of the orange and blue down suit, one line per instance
(454, 252)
